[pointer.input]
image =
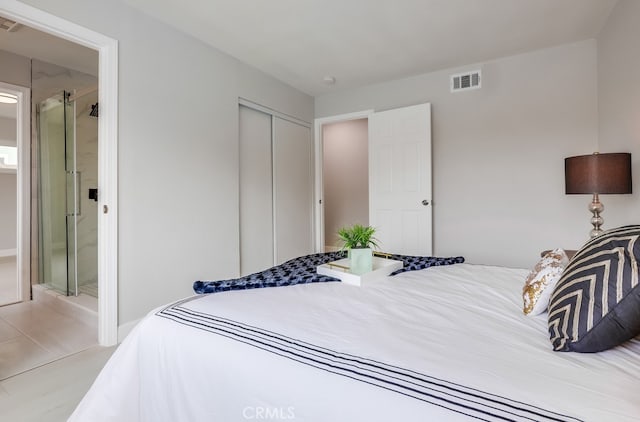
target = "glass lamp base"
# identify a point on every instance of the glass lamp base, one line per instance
(596, 207)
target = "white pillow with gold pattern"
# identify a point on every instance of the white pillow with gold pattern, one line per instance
(541, 280)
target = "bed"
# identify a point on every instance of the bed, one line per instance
(446, 343)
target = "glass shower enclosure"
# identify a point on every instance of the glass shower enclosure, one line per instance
(58, 194)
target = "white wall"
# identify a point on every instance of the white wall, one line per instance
(498, 152)
(619, 103)
(178, 151)
(345, 176)
(8, 211)
(15, 69)
(87, 165)
(8, 131)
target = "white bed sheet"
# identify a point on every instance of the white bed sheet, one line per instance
(457, 333)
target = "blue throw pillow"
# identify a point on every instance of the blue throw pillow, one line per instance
(596, 304)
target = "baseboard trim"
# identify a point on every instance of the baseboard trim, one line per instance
(126, 328)
(7, 252)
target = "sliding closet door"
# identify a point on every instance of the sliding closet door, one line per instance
(256, 205)
(293, 180)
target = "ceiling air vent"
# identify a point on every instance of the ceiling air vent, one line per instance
(465, 81)
(8, 25)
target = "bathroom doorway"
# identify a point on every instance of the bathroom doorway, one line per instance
(340, 202)
(54, 29)
(9, 288)
(345, 181)
(14, 203)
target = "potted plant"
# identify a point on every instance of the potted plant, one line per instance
(359, 241)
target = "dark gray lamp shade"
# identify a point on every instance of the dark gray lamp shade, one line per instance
(598, 174)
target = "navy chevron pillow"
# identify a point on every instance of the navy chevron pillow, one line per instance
(596, 304)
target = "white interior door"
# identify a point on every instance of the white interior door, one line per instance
(293, 187)
(400, 179)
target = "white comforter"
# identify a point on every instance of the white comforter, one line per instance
(443, 344)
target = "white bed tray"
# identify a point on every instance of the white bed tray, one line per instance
(382, 267)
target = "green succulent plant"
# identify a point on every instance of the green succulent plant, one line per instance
(358, 236)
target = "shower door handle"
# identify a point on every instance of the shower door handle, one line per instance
(78, 189)
(73, 191)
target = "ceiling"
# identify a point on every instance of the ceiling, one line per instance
(34, 44)
(360, 42)
(300, 42)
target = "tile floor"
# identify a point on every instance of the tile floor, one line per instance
(33, 334)
(51, 392)
(49, 353)
(8, 280)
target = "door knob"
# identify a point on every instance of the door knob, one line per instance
(425, 202)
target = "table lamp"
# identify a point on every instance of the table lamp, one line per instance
(598, 174)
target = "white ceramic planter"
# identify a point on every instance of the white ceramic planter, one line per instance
(360, 260)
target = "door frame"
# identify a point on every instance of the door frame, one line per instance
(107, 151)
(319, 160)
(23, 143)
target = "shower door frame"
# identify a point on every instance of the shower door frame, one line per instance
(107, 151)
(54, 147)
